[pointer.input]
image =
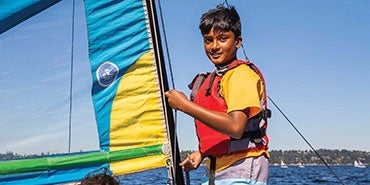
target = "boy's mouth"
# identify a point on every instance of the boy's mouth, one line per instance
(215, 55)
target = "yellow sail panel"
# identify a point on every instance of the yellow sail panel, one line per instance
(136, 165)
(138, 99)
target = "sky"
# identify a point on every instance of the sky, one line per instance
(314, 56)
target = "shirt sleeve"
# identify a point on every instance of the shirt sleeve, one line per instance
(242, 89)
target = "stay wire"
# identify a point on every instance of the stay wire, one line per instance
(307, 142)
(173, 86)
(247, 59)
(166, 45)
(244, 53)
(227, 4)
(71, 80)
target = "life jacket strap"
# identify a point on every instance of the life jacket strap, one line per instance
(196, 83)
(212, 170)
(266, 113)
(257, 134)
(209, 87)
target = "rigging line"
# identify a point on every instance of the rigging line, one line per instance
(173, 86)
(308, 143)
(244, 53)
(71, 80)
(166, 44)
(227, 4)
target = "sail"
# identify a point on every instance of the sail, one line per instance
(358, 164)
(14, 12)
(282, 164)
(135, 125)
(128, 82)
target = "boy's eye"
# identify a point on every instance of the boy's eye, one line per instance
(223, 38)
(207, 40)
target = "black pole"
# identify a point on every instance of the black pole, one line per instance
(158, 53)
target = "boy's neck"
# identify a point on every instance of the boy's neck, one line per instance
(225, 65)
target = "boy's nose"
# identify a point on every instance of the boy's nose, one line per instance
(215, 46)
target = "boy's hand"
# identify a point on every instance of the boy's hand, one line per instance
(176, 99)
(192, 162)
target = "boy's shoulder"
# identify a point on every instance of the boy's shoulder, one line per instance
(241, 71)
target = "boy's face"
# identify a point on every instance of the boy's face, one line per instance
(221, 46)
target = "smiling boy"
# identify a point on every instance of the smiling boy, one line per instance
(228, 106)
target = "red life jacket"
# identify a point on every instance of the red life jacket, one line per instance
(205, 92)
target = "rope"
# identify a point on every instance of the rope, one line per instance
(244, 53)
(173, 87)
(187, 178)
(166, 45)
(308, 143)
(71, 81)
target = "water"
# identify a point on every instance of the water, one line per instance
(310, 175)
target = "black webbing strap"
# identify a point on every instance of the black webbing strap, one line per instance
(254, 134)
(212, 170)
(196, 83)
(209, 88)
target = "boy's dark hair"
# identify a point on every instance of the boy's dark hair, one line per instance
(221, 19)
(100, 179)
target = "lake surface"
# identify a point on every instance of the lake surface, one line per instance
(309, 175)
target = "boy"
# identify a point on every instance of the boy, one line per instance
(228, 106)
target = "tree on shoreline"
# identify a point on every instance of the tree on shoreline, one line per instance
(294, 157)
(290, 157)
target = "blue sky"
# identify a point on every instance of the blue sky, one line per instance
(314, 55)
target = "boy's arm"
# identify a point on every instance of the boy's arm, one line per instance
(231, 124)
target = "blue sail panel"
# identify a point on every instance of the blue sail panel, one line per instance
(118, 36)
(14, 12)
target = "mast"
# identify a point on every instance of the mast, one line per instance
(178, 177)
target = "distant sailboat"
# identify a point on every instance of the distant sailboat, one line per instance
(301, 165)
(282, 164)
(358, 164)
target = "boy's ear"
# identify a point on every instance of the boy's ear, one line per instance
(238, 42)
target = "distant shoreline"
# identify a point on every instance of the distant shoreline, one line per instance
(290, 157)
(308, 157)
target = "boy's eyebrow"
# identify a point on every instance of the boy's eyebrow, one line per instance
(222, 33)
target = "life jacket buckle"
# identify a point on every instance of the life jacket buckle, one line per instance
(257, 140)
(266, 113)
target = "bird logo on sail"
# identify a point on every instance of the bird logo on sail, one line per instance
(107, 73)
